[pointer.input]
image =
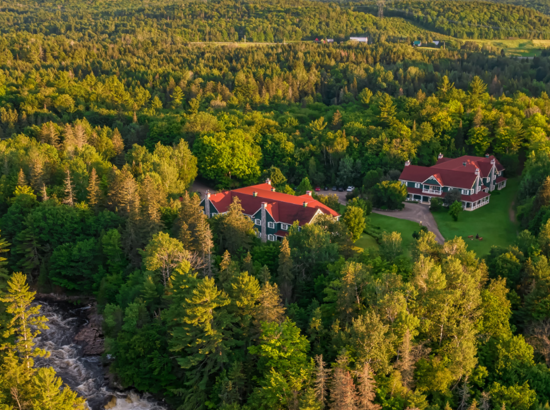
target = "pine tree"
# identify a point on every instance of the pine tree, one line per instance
(343, 395)
(94, 191)
(37, 173)
(265, 275)
(80, 136)
(47, 393)
(248, 266)
(25, 322)
(236, 229)
(44, 193)
(321, 381)
(367, 387)
(49, 134)
(270, 308)
(484, 403)
(285, 272)
(21, 179)
(4, 276)
(229, 269)
(152, 199)
(405, 364)
(464, 394)
(473, 406)
(69, 190)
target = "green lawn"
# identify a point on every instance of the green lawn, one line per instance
(389, 224)
(492, 222)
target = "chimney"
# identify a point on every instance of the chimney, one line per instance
(440, 156)
(207, 204)
(464, 163)
(263, 234)
(407, 163)
(305, 204)
(254, 194)
(273, 189)
(268, 181)
(486, 155)
(308, 193)
(477, 171)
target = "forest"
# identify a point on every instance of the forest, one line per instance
(107, 118)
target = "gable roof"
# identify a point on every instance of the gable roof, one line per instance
(454, 172)
(282, 207)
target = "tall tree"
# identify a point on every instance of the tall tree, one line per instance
(285, 272)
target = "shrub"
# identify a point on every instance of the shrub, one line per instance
(389, 194)
(436, 205)
(455, 209)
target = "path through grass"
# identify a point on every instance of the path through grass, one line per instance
(492, 222)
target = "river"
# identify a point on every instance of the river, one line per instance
(86, 375)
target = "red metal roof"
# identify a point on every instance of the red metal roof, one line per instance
(282, 207)
(453, 172)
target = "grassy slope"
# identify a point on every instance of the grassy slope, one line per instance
(389, 224)
(492, 222)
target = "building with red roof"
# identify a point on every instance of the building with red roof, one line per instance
(475, 177)
(273, 213)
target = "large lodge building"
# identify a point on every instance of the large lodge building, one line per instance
(475, 177)
(273, 213)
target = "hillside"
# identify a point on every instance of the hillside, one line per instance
(470, 19)
(219, 21)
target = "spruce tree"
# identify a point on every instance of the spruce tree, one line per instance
(322, 377)
(44, 193)
(285, 272)
(248, 266)
(366, 389)
(94, 191)
(69, 190)
(21, 179)
(25, 322)
(152, 199)
(270, 308)
(37, 173)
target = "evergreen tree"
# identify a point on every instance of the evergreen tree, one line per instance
(94, 191)
(270, 308)
(322, 377)
(285, 272)
(44, 193)
(21, 179)
(69, 190)
(366, 389)
(235, 229)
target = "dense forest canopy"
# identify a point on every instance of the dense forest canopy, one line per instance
(107, 117)
(473, 19)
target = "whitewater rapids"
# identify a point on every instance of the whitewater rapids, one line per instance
(84, 374)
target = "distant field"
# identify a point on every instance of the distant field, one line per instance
(519, 48)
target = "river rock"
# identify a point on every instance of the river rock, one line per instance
(90, 336)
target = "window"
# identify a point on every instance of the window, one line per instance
(284, 227)
(270, 238)
(464, 192)
(417, 185)
(258, 234)
(271, 225)
(257, 221)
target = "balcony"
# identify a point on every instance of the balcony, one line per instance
(431, 190)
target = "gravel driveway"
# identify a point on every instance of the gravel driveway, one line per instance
(416, 213)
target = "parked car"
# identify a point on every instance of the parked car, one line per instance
(317, 189)
(341, 189)
(334, 188)
(326, 188)
(351, 188)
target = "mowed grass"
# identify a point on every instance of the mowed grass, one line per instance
(492, 222)
(519, 47)
(389, 224)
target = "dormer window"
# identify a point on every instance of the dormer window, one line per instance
(271, 225)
